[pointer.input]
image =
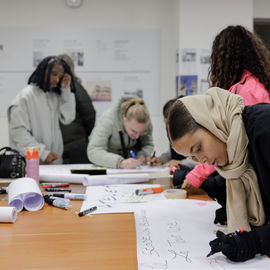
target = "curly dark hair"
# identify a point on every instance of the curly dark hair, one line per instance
(234, 50)
(37, 77)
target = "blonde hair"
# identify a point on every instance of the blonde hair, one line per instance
(70, 63)
(135, 108)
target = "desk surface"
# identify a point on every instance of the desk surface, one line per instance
(53, 238)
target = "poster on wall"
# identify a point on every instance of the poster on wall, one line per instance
(193, 68)
(110, 62)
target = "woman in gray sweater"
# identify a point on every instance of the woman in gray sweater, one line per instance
(122, 130)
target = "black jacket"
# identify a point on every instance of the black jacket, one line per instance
(75, 135)
(257, 123)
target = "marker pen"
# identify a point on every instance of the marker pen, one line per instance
(132, 154)
(54, 185)
(145, 191)
(3, 190)
(217, 248)
(71, 196)
(58, 189)
(61, 199)
(57, 203)
(154, 154)
(87, 211)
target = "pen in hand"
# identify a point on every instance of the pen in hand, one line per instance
(153, 155)
(132, 154)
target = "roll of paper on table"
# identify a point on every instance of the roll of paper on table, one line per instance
(145, 191)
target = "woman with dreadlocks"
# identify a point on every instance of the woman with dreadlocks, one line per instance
(35, 112)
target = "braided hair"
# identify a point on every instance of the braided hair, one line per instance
(47, 64)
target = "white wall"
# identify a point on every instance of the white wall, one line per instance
(182, 23)
(261, 9)
(200, 21)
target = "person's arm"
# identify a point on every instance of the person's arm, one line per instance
(67, 107)
(85, 108)
(20, 132)
(147, 145)
(242, 246)
(199, 174)
(97, 149)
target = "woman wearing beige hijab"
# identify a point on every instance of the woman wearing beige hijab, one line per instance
(217, 129)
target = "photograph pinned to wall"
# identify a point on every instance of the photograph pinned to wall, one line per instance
(204, 55)
(77, 57)
(133, 85)
(187, 85)
(99, 90)
(188, 61)
(137, 92)
(41, 49)
(75, 49)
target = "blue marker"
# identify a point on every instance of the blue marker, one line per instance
(132, 154)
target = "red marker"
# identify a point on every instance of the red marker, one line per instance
(55, 185)
(149, 190)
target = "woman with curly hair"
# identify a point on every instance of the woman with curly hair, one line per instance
(240, 63)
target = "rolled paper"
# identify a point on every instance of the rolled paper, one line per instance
(25, 193)
(8, 214)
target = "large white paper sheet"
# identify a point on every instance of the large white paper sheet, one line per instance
(117, 198)
(175, 234)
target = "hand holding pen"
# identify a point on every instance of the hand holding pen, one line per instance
(133, 162)
(225, 243)
(154, 161)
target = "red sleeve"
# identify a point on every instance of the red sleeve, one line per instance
(199, 174)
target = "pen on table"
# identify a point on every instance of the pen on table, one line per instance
(48, 196)
(148, 190)
(57, 203)
(153, 155)
(132, 154)
(3, 190)
(87, 211)
(58, 189)
(71, 196)
(54, 185)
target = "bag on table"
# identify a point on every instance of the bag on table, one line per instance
(12, 163)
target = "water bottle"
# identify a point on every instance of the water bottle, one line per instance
(32, 163)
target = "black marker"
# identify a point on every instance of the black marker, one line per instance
(217, 247)
(154, 154)
(87, 211)
(3, 190)
(58, 189)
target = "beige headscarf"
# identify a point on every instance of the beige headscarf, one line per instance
(220, 112)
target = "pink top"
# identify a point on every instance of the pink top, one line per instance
(250, 89)
(252, 92)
